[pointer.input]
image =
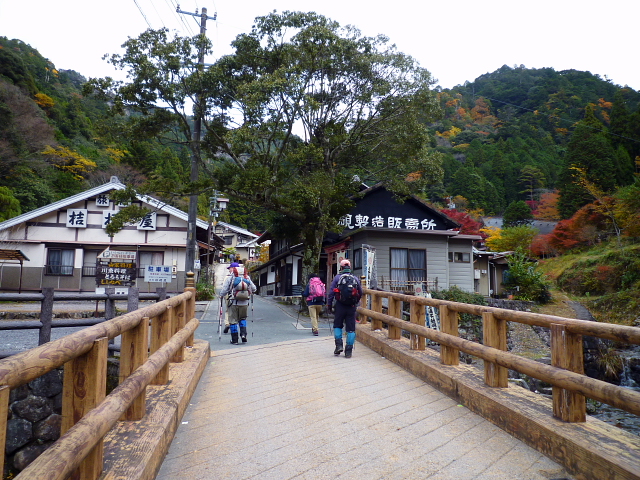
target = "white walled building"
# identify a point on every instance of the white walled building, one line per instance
(62, 241)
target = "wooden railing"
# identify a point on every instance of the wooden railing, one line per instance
(87, 414)
(565, 374)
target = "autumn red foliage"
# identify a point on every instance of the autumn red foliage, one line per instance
(586, 227)
(468, 226)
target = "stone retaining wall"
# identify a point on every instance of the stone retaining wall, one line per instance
(35, 416)
(34, 420)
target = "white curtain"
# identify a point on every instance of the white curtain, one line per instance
(399, 263)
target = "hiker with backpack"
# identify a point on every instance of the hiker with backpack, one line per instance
(347, 291)
(315, 294)
(238, 288)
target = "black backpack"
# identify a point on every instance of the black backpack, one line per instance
(347, 290)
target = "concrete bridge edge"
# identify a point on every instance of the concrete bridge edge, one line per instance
(593, 450)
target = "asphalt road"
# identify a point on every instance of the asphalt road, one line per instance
(268, 322)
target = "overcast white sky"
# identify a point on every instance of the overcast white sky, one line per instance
(456, 41)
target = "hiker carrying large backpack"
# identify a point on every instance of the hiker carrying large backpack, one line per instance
(238, 288)
(315, 294)
(347, 291)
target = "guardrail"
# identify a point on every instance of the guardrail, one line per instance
(48, 297)
(87, 413)
(565, 374)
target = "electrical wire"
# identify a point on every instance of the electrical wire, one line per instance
(142, 13)
(555, 116)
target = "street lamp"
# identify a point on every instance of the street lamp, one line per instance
(216, 206)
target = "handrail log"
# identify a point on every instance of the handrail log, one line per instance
(65, 455)
(618, 333)
(613, 395)
(26, 366)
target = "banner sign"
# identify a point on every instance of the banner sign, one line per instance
(157, 273)
(116, 269)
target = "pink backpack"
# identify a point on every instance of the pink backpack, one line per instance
(316, 289)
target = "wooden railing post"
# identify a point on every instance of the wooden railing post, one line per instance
(395, 310)
(4, 414)
(449, 325)
(567, 353)
(363, 301)
(191, 304)
(376, 306)
(160, 334)
(417, 316)
(494, 334)
(133, 353)
(84, 387)
(46, 315)
(177, 323)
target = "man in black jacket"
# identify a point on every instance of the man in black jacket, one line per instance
(347, 291)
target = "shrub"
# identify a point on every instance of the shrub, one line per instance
(528, 284)
(469, 322)
(205, 291)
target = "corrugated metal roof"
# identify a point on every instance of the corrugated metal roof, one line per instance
(238, 229)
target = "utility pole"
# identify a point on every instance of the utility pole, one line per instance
(195, 154)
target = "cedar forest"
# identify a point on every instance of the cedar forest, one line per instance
(519, 143)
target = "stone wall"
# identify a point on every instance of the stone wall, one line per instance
(35, 416)
(34, 420)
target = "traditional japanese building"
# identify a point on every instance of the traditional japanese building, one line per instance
(63, 245)
(396, 245)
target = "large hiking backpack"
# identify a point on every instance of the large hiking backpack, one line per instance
(347, 290)
(316, 289)
(240, 290)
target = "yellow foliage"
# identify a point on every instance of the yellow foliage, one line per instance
(462, 146)
(69, 161)
(451, 133)
(116, 154)
(45, 101)
(494, 235)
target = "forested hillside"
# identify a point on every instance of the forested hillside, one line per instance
(506, 136)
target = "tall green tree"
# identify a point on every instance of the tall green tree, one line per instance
(590, 151)
(517, 214)
(302, 113)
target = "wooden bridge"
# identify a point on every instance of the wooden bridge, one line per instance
(292, 410)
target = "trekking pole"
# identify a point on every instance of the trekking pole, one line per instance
(220, 319)
(252, 311)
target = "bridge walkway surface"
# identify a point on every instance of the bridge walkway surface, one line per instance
(289, 409)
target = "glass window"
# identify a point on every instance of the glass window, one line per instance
(59, 261)
(408, 265)
(461, 257)
(357, 258)
(149, 258)
(89, 263)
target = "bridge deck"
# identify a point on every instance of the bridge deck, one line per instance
(293, 410)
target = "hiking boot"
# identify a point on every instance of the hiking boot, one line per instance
(338, 349)
(243, 334)
(226, 329)
(234, 338)
(315, 331)
(348, 351)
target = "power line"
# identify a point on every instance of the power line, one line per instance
(555, 116)
(142, 13)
